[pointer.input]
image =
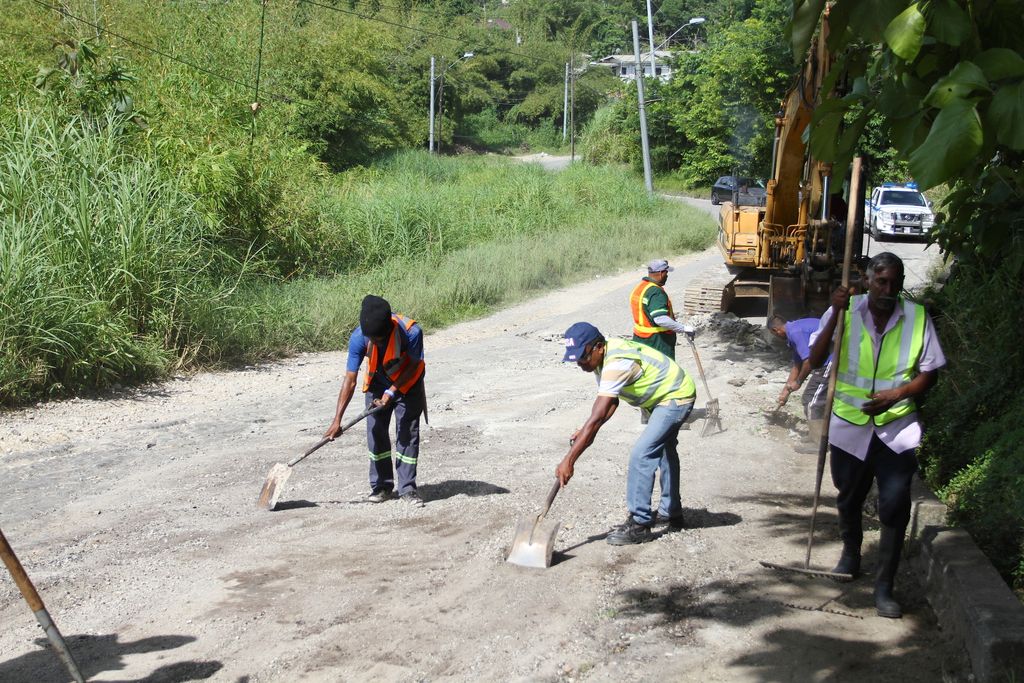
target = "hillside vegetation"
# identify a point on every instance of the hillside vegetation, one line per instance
(149, 223)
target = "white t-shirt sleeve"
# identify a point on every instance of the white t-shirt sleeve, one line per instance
(616, 375)
(932, 357)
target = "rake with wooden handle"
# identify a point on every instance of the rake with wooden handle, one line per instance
(855, 180)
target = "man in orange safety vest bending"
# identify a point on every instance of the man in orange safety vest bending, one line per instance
(393, 347)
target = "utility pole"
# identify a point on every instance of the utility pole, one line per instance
(643, 115)
(565, 104)
(430, 142)
(572, 109)
(650, 38)
(440, 111)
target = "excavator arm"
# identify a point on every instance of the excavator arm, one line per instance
(783, 251)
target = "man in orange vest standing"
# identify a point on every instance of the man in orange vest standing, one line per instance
(393, 347)
(654, 322)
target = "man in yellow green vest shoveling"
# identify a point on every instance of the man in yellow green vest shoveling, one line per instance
(648, 379)
(889, 355)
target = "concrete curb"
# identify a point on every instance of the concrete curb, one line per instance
(969, 597)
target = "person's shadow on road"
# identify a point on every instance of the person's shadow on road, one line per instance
(97, 654)
(455, 487)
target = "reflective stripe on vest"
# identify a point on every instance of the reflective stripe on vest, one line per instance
(858, 374)
(395, 358)
(662, 378)
(643, 326)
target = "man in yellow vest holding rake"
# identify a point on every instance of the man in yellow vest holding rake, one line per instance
(889, 356)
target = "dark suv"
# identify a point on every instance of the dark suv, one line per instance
(751, 192)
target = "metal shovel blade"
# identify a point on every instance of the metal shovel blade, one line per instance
(273, 486)
(533, 543)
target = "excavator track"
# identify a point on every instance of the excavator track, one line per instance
(711, 291)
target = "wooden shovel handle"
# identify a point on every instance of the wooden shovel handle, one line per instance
(344, 428)
(19, 575)
(551, 499)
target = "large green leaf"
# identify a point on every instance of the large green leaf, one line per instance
(851, 136)
(825, 126)
(999, 63)
(949, 23)
(909, 132)
(965, 78)
(905, 33)
(952, 143)
(869, 18)
(805, 21)
(838, 21)
(1006, 115)
(896, 102)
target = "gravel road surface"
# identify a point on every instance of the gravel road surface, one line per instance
(135, 516)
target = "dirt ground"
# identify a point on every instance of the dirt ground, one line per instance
(135, 516)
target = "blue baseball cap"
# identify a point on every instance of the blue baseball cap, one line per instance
(576, 339)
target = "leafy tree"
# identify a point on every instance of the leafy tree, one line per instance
(943, 82)
(720, 105)
(947, 76)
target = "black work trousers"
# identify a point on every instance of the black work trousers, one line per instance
(853, 477)
(407, 409)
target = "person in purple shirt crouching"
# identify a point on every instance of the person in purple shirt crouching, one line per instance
(797, 335)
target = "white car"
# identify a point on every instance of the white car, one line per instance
(896, 210)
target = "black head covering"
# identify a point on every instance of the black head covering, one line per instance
(375, 316)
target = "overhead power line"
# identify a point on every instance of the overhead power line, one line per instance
(148, 48)
(442, 36)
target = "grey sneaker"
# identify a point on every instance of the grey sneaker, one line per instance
(380, 496)
(630, 534)
(413, 498)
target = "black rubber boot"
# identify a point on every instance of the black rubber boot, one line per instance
(852, 534)
(890, 545)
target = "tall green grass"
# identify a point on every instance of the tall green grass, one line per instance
(113, 271)
(488, 233)
(104, 265)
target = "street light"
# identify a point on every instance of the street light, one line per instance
(440, 96)
(691, 22)
(650, 31)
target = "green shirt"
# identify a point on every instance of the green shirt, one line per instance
(655, 304)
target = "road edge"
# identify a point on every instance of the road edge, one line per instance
(966, 592)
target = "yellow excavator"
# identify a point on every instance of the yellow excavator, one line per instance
(787, 249)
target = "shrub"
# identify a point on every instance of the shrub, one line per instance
(973, 452)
